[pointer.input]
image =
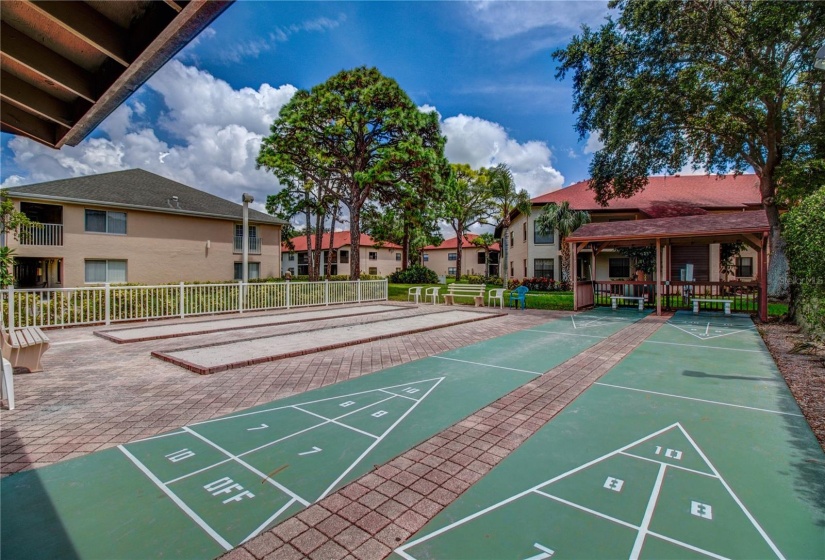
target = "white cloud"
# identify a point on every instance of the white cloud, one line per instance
(482, 143)
(502, 20)
(594, 143)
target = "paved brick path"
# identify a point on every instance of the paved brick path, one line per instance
(369, 517)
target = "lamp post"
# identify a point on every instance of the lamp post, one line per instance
(246, 198)
(819, 63)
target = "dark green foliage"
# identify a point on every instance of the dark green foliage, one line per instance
(539, 285)
(643, 258)
(804, 230)
(414, 274)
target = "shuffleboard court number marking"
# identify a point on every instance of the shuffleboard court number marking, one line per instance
(226, 485)
(670, 453)
(614, 484)
(261, 427)
(346, 404)
(411, 390)
(545, 553)
(311, 451)
(180, 455)
(379, 414)
(701, 510)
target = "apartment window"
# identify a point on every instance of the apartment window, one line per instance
(102, 271)
(543, 239)
(398, 256)
(543, 268)
(524, 231)
(373, 271)
(343, 256)
(481, 258)
(451, 271)
(452, 256)
(373, 256)
(426, 257)
(290, 257)
(525, 268)
(254, 270)
(511, 270)
(253, 231)
(512, 238)
(744, 267)
(619, 268)
(102, 221)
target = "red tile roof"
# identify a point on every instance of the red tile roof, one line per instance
(342, 239)
(452, 243)
(718, 224)
(669, 196)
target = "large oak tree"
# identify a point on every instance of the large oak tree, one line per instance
(360, 134)
(721, 85)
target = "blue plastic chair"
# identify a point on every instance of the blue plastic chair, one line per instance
(519, 295)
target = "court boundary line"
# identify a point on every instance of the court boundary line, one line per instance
(566, 334)
(177, 501)
(486, 365)
(708, 347)
(697, 399)
(708, 327)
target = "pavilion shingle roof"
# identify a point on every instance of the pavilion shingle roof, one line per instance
(669, 196)
(138, 188)
(723, 223)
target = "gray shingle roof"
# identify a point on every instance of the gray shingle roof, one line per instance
(139, 188)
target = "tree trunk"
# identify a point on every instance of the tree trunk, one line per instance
(405, 247)
(778, 263)
(355, 242)
(459, 241)
(319, 246)
(308, 232)
(565, 261)
(331, 248)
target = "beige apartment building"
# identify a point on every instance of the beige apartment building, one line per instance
(377, 259)
(442, 259)
(137, 227)
(532, 255)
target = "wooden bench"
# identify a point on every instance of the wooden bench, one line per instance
(614, 301)
(697, 301)
(475, 291)
(24, 347)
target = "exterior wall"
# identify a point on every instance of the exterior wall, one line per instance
(438, 261)
(386, 262)
(159, 248)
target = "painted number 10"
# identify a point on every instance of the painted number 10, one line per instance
(670, 453)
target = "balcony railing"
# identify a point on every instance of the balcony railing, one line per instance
(42, 234)
(254, 245)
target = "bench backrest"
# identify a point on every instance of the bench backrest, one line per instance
(466, 289)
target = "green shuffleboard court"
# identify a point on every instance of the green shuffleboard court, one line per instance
(207, 487)
(691, 447)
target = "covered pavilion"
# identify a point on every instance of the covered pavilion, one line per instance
(749, 227)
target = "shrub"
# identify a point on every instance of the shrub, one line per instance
(539, 285)
(415, 274)
(804, 232)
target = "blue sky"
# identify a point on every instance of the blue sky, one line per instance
(486, 67)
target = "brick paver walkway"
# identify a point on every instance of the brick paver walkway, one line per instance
(368, 518)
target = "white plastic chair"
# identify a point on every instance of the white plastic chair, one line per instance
(414, 292)
(496, 294)
(432, 294)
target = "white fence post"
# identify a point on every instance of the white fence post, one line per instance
(358, 285)
(326, 291)
(386, 289)
(11, 308)
(287, 294)
(240, 296)
(181, 296)
(108, 303)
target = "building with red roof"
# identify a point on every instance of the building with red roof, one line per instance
(442, 259)
(377, 258)
(530, 254)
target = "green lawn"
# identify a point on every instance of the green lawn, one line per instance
(562, 301)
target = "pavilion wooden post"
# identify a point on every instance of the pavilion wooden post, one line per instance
(574, 256)
(763, 279)
(658, 276)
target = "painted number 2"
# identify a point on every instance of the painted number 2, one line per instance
(670, 453)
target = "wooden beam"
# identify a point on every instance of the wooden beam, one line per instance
(33, 100)
(88, 25)
(45, 62)
(574, 257)
(658, 276)
(752, 241)
(174, 5)
(20, 122)
(763, 279)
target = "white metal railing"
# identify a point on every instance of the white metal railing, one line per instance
(41, 234)
(53, 307)
(254, 245)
